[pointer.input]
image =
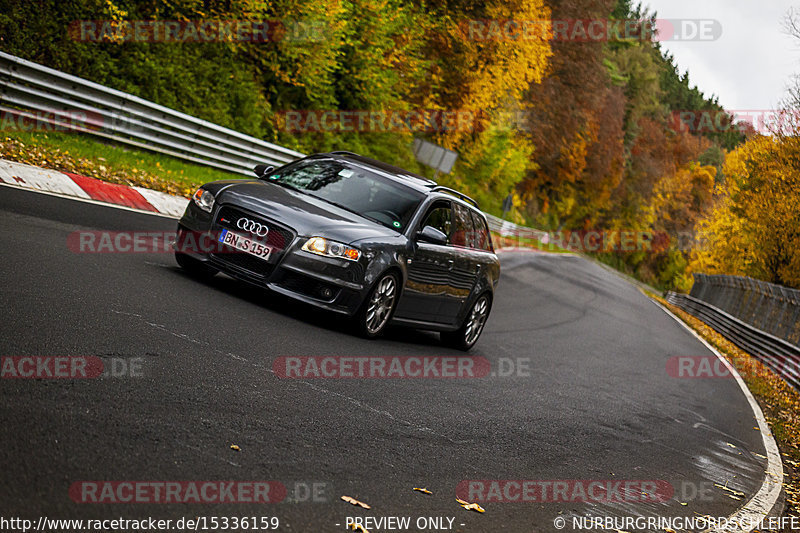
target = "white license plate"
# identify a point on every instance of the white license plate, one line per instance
(244, 244)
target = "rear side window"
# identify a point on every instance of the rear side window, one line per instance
(463, 230)
(481, 240)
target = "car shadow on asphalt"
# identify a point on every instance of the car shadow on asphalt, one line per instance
(283, 305)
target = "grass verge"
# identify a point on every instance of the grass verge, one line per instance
(779, 402)
(80, 154)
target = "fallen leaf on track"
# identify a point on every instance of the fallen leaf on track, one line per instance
(736, 492)
(471, 506)
(353, 501)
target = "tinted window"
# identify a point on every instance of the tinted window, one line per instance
(354, 188)
(481, 240)
(463, 229)
(439, 217)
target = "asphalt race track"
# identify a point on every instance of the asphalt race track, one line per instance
(594, 402)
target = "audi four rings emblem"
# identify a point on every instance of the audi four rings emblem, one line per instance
(253, 227)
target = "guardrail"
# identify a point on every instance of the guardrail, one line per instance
(43, 94)
(509, 229)
(39, 93)
(777, 354)
(766, 306)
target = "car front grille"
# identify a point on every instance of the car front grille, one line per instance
(279, 238)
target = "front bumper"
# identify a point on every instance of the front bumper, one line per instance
(328, 283)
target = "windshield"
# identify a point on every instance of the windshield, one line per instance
(353, 188)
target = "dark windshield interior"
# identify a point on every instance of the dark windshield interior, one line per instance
(354, 188)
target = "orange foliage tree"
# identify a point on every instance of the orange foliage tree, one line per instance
(754, 228)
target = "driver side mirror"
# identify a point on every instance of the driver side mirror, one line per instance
(432, 235)
(262, 170)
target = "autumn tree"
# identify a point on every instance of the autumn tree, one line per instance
(570, 119)
(754, 229)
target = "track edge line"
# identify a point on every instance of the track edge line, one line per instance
(765, 501)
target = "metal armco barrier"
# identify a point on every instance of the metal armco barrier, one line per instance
(765, 306)
(509, 229)
(780, 356)
(41, 94)
(47, 96)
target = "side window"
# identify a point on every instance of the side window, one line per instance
(440, 218)
(482, 240)
(463, 228)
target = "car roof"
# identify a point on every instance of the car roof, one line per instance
(398, 174)
(401, 175)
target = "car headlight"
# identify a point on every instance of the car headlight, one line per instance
(203, 199)
(321, 246)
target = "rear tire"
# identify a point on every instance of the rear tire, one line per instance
(467, 335)
(195, 267)
(377, 309)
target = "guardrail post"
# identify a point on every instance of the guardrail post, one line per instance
(794, 332)
(750, 297)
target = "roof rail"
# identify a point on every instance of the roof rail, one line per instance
(342, 152)
(456, 194)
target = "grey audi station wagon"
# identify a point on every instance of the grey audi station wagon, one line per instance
(351, 235)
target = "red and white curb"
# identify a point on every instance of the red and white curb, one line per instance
(82, 187)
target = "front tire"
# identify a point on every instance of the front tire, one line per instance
(377, 309)
(195, 267)
(467, 335)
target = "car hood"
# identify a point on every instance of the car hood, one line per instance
(306, 215)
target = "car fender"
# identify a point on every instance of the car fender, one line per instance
(483, 285)
(383, 261)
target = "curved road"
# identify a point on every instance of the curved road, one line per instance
(596, 402)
